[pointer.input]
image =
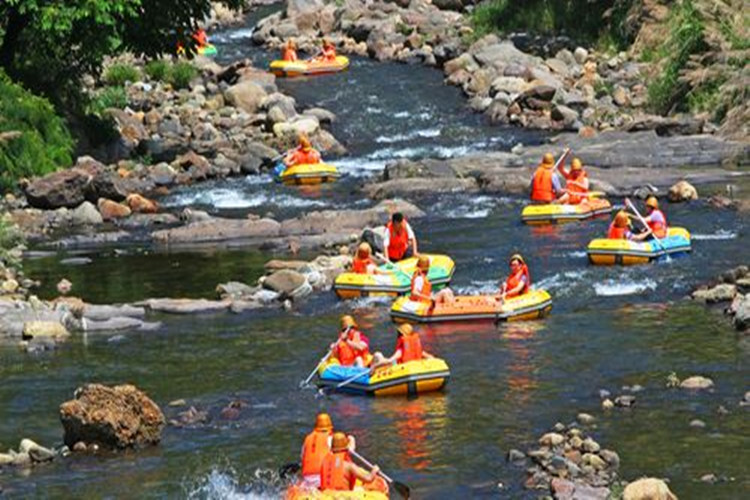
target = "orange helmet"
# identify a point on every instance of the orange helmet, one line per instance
(323, 422)
(364, 250)
(348, 322)
(290, 43)
(304, 142)
(405, 329)
(423, 262)
(548, 159)
(339, 442)
(622, 219)
(576, 164)
(518, 257)
(652, 202)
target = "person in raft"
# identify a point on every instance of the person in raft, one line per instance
(518, 281)
(408, 348)
(399, 242)
(655, 219)
(576, 183)
(338, 472)
(620, 227)
(353, 347)
(545, 184)
(289, 52)
(363, 262)
(303, 154)
(329, 52)
(316, 446)
(421, 288)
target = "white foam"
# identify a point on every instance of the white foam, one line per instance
(219, 485)
(479, 287)
(241, 33)
(359, 167)
(577, 254)
(612, 288)
(722, 234)
(224, 198)
(477, 207)
(425, 134)
(561, 282)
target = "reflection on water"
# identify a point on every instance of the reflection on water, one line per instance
(521, 379)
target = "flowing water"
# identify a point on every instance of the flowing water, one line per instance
(610, 327)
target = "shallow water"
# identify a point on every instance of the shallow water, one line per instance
(609, 327)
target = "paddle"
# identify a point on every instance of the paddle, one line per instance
(645, 225)
(306, 382)
(352, 379)
(560, 160)
(401, 488)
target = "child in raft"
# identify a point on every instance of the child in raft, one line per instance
(353, 347)
(421, 288)
(655, 220)
(303, 154)
(620, 227)
(408, 348)
(518, 282)
(316, 446)
(363, 262)
(328, 52)
(576, 183)
(289, 52)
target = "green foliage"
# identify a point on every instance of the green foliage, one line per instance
(685, 38)
(181, 74)
(108, 97)
(119, 74)
(10, 237)
(33, 139)
(158, 70)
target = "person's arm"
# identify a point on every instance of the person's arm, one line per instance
(352, 443)
(356, 342)
(386, 244)
(427, 355)
(413, 238)
(419, 285)
(361, 474)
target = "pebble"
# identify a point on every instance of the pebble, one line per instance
(585, 418)
(709, 478)
(590, 445)
(697, 424)
(625, 401)
(697, 382)
(604, 393)
(178, 402)
(515, 456)
(607, 404)
(551, 439)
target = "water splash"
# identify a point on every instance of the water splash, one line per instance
(417, 134)
(224, 198)
(722, 234)
(223, 484)
(612, 288)
(562, 283)
(477, 207)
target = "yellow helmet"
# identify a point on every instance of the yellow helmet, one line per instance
(323, 422)
(518, 257)
(304, 141)
(652, 202)
(339, 442)
(548, 159)
(364, 249)
(405, 329)
(348, 322)
(621, 219)
(576, 164)
(423, 262)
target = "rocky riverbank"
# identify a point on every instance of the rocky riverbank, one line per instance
(731, 292)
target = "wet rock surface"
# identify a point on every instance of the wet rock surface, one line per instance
(731, 290)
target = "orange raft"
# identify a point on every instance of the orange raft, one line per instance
(376, 490)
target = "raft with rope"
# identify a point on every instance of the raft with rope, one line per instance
(306, 174)
(394, 279)
(609, 252)
(309, 67)
(410, 378)
(555, 214)
(532, 305)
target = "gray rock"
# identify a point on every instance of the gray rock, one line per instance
(580, 55)
(564, 114)
(162, 174)
(245, 95)
(185, 306)
(720, 293)
(697, 424)
(112, 324)
(235, 290)
(626, 400)
(697, 382)
(66, 188)
(284, 281)
(742, 314)
(323, 115)
(585, 419)
(507, 84)
(36, 452)
(516, 456)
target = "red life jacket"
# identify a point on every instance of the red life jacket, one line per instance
(360, 266)
(333, 473)
(514, 280)
(572, 188)
(411, 348)
(289, 54)
(659, 229)
(426, 290)
(541, 185)
(398, 243)
(314, 450)
(302, 157)
(346, 354)
(617, 233)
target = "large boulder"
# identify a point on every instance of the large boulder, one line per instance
(682, 191)
(85, 214)
(140, 205)
(285, 281)
(111, 210)
(648, 488)
(246, 95)
(115, 417)
(304, 13)
(66, 188)
(720, 293)
(53, 330)
(742, 313)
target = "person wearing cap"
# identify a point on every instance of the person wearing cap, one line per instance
(353, 347)
(545, 185)
(399, 242)
(655, 220)
(619, 229)
(421, 288)
(518, 281)
(408, 348)
(316, 446)
(363, 263)
(576, 183)
(303, 154)
(289, 52)
(338, 472)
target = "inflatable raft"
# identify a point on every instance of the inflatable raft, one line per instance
(395, 278)
(314, 173)
(377, 490)
(207, 50)
(554, 214)
(607, 252)
(414, 377)
(532, 305)
(309, 67)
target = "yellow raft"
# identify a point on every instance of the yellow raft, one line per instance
(554, 214)
(309, 67)
(608, 252)
(307, 174)
(377, 490)
(532, 305)
(413, 377)
(395, 278)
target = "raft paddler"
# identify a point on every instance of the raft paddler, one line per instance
(303, 154)
(289, 52)
(421, 288)
(619, 229)
(576, 183)
(545, 184)
(518, 281)
(408, 348)
(655, 220)
(363, 262)
(353, 347)
(329, 51)
(317, 446)
(399, 242)
(338, 472)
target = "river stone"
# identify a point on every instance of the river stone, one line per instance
(141, 205)
(246, 95)
(284, 281)
(85, 214)
(594, 461)
(625, 401)
(682, 191)
(36, 452)
(585, 419)
(46, 329)
(551, 439)
(116, 323)
(580, 55)
(323, 115)
(742, 313)
(697, 424)
(516, 456)
(104, 312)
(720, 293)
(607, 404)
(697, 382)
(564, 114)
(590, 445)
(611, 457)
(648, 488)
(111, 210)
(186, 306)
(9, 286)
(116, 417)
(234, 290)
(508, 84)
(66, 188)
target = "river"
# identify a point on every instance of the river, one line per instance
(609, 328)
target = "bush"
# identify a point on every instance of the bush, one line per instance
(108, 97)
(158, 70)
(33, 139)
(181, 74)
(118, 74)
(10, 236)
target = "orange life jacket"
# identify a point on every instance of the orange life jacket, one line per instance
(360, 266)
(617, 233)
(398, 242)
(302, 157)
(659, 229)
(426, 290)
(329, 54)
(411, 349)
(200, 38)
(541, 184)
(514, 280)
(288, 54)
(572, 188)
(314, 450)
(346, 354)
(333, 473)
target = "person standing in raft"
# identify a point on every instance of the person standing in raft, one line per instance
(545, 184)
(353, 347)
(656, 221)
(338, 472)
(518, 282)
(289, 52)
(408, 348)
(316, 447)
(399, 242)
(421, 288)
(363, 263)
(576, 183)
(303, 154)
(620, 227)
